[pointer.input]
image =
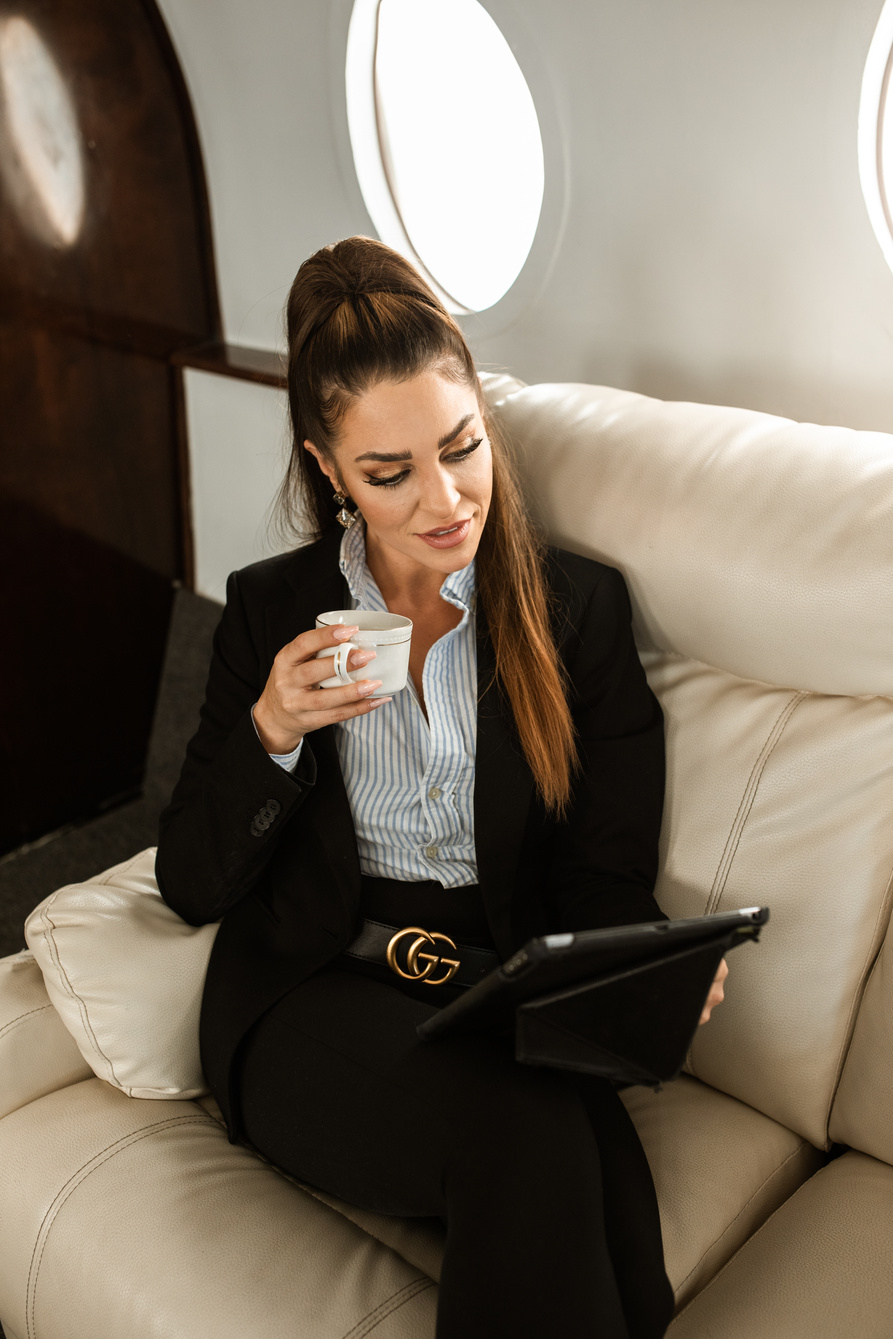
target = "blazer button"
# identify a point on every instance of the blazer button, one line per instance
(264, 817)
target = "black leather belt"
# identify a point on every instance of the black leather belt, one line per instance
(422, 955)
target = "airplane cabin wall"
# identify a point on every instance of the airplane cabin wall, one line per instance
(709, 235)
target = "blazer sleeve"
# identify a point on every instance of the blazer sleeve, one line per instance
(232, 801)
(605, 854)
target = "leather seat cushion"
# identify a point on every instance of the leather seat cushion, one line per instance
(124, 1217)
(720, 1169)
(37, 1053)
(175, 1227)
(820, 1268)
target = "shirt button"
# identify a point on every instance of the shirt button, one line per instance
(431, 852)
(435, 793)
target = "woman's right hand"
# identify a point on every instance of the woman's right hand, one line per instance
(292, 703)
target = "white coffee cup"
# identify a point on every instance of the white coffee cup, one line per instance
(388, 635)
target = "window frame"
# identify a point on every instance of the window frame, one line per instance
(366, 156)
(875, 124)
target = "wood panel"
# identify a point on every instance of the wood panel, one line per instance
(235, 360)
(99, 421)
(106, 271)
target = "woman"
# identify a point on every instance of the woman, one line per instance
(514, 788)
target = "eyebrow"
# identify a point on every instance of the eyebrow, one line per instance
(388, 457)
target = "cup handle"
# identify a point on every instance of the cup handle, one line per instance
(339, 661)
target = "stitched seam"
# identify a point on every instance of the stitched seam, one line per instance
(49, 928)
(759, 1190)
(339, 1209)
(399, 1299)
(309, 1190)
(218, 1120)
(119, 871)
(747, 799)
(98, 1160)
(23, 1018)
(737, 829)
(744, 1245)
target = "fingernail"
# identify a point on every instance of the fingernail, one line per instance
(380, 701)
(361, 658)
(367, 686)
(344, 634)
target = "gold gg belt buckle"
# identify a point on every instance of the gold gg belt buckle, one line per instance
(431, 960)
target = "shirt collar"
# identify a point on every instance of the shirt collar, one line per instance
(354, 569)
(458, 587)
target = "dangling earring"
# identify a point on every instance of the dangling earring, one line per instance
(344, 517)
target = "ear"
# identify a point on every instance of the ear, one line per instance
(325, 465)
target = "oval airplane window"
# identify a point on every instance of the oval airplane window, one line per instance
(446, 143)
(876, 132)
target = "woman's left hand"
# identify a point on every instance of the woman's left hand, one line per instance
(716, 992)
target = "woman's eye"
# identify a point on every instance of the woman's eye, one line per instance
(455, 457)
(390, 482)
(466, 450)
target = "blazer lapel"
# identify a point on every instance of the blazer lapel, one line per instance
(503, 787)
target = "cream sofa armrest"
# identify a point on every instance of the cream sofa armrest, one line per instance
(37, 1053)
(125, 975)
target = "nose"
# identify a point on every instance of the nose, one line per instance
(441, 496)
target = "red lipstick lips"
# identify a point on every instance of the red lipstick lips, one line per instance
(447, 537)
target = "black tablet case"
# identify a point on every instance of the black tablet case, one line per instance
(632, 1023)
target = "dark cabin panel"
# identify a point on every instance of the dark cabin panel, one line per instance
(106, 272)
(98, 420)
(80, 680)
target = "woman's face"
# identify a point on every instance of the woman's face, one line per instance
(414, 457)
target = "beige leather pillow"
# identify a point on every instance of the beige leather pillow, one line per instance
(756, 545)
(125, 975)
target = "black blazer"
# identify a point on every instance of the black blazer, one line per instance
(288, 896)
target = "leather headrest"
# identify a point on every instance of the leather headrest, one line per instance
(758, 545)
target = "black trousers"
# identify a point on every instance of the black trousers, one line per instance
(551, 1218)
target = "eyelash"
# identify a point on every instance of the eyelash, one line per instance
(456, 457)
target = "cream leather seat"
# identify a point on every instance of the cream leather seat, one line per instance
(759, 555)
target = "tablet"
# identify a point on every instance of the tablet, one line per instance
(557, 961)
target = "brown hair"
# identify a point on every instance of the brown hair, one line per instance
(359, 314)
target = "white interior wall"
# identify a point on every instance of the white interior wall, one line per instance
(710, 243)
(237, 453)
(717, 246)
(267, 87)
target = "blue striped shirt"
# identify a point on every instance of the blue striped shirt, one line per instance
(410, 782)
